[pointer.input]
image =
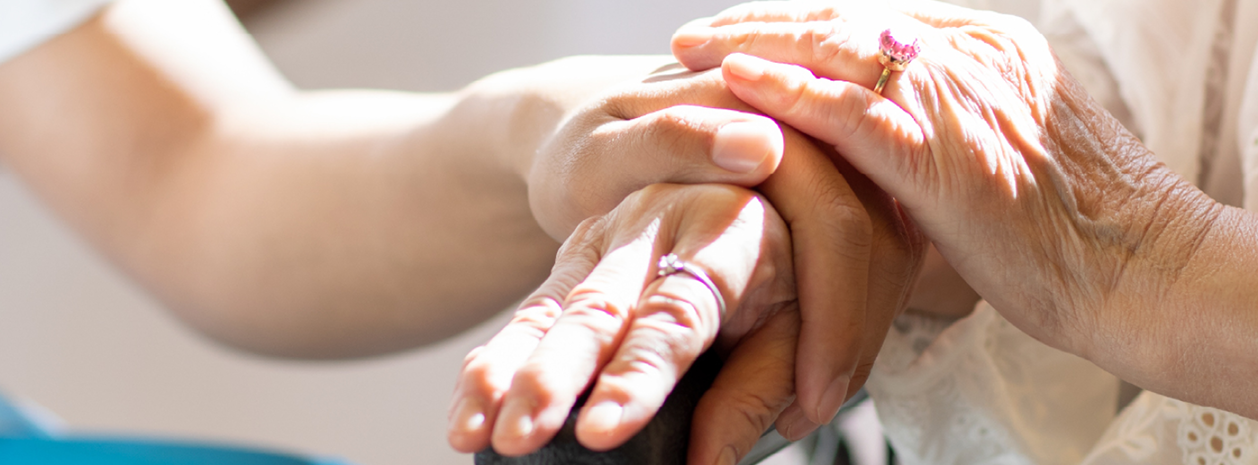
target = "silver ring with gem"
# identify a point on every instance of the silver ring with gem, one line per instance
(672, 264)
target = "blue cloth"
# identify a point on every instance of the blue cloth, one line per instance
(25, 440)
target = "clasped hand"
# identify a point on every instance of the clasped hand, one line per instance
(792, 259)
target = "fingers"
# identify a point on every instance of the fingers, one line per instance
(754, 386)
(487, 370)
(683, 144)
(622, 325)
(845, 47)
(595, 315)
(678, 316)
(833, 49)
(878, 137)
(813, 31)
(831, 234)
(897, 254)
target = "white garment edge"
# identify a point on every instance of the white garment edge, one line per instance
(25, 24)
(1167, 103)
(1247, 121)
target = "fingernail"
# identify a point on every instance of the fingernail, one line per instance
(745, 67)
(796, 425)
(833, 399)
(693, 36)
(728, 456)
(743, 146)
(468, 416)
(604, 416)
(517, 418)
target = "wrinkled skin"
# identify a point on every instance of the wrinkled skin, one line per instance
(1050, 209)
(583, 326)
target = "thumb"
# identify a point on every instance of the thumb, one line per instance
(683, 144)
(755, 385)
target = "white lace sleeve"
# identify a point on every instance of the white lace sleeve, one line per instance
(979, 391)
(1156, 430)
(982, 391)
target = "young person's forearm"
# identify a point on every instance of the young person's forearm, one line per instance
(307, 224)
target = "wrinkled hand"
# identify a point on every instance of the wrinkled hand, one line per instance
(604, 317)
(1036, 195)
(515, 391)
(631, 137)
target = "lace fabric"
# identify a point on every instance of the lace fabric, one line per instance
(1158, 430)
(979, 391)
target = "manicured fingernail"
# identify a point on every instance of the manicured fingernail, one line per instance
(833, 399)
(468, 416)
(693, 36)
(728, 456)
(517, 418)
(604, 416)
(743, 146)
(745, 67)
(796, 425)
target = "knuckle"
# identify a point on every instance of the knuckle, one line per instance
(592, 304)
(531, 381)
(587, 227)
(674, 127)
(826, 42)
(672, 310)
(750, 408)
(622, 105)
(652, 360)
(853, 115)
(536, 316)
(848, 216)
(471, 356)
(579, 248)
(666, 341)
(478, 375)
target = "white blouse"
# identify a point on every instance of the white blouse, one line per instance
(1183, 75)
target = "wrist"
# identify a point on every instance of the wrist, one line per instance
(1142, 226)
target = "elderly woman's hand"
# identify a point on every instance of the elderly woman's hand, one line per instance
(604, 318)
(678, 126)
(1049, 208)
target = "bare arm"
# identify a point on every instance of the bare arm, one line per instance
(322, 224)
(346, 223)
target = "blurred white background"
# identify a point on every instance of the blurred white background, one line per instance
(80, 339)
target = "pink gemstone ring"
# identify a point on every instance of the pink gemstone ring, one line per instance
(895, 53)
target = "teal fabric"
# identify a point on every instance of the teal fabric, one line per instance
(24, 441)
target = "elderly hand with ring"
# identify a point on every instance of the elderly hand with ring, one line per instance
(608, 320)
(1040, 199)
